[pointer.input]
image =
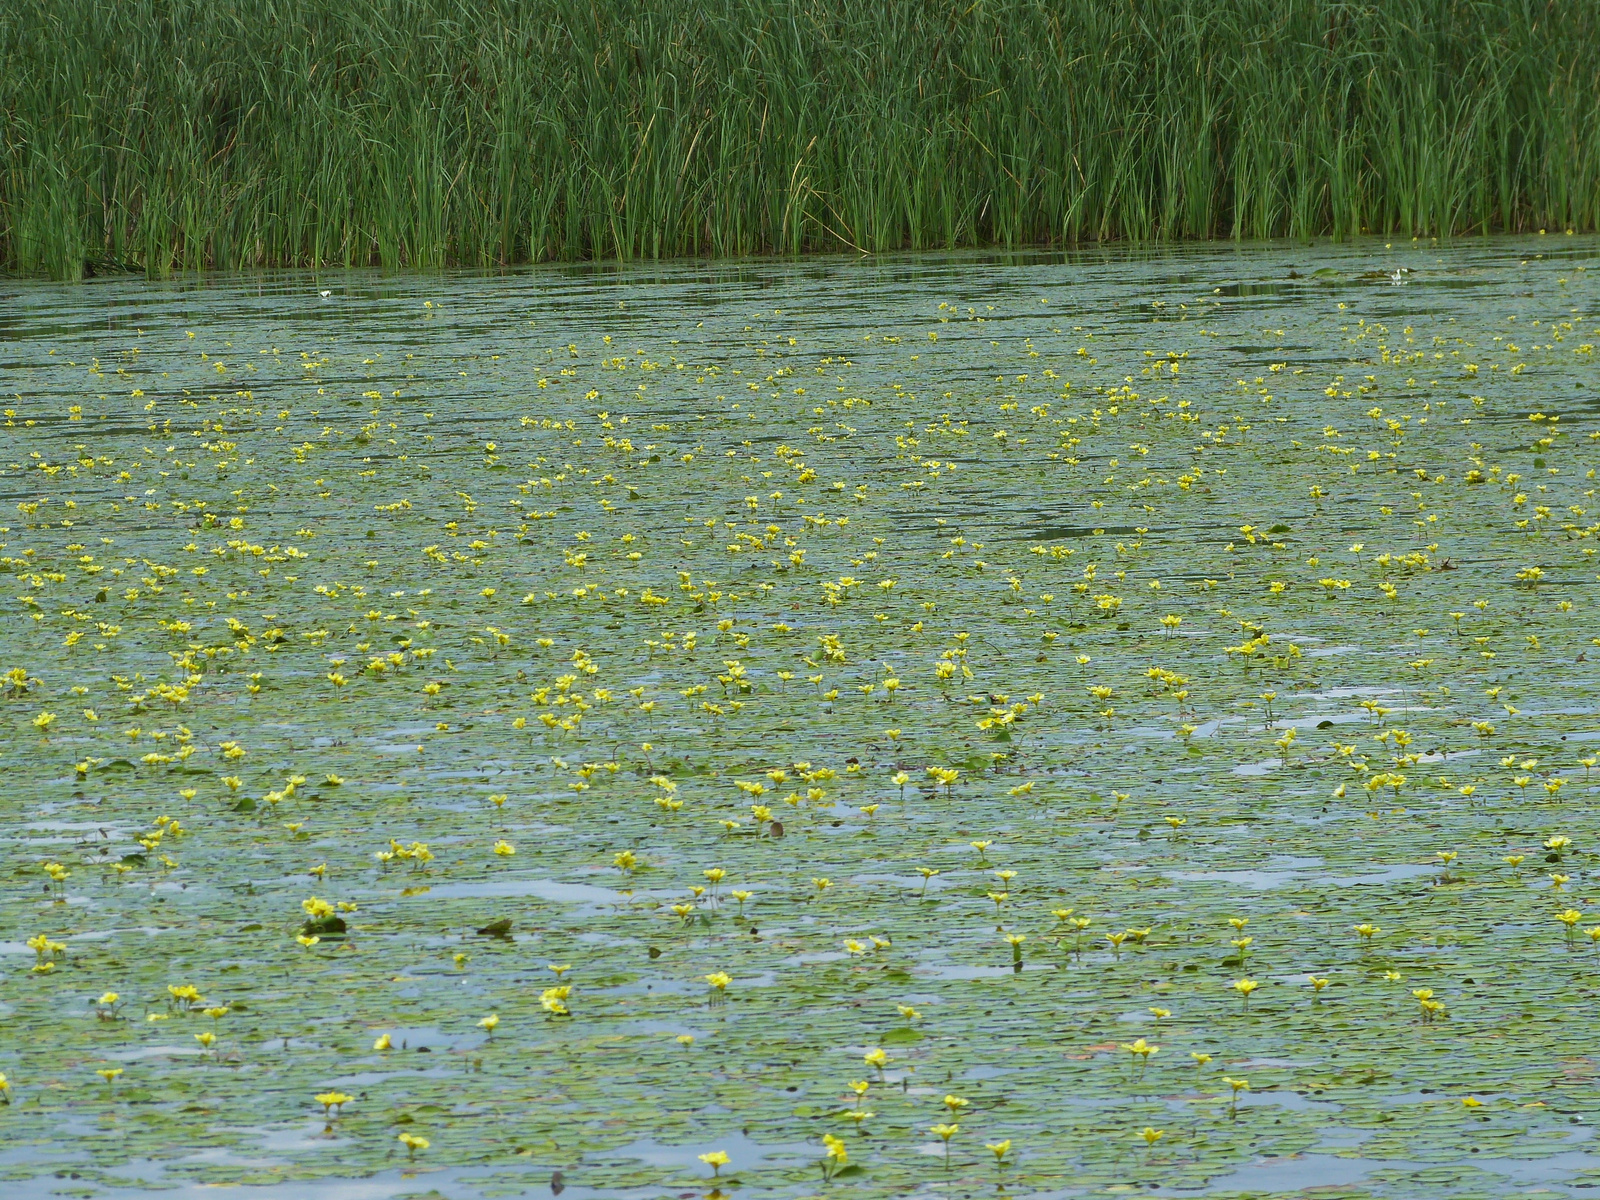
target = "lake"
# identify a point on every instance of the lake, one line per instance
(1077, 724)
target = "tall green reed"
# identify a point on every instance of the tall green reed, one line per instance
(176, 134)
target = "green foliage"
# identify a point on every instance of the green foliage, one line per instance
(174, 134)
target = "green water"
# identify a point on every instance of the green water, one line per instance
(686, 524)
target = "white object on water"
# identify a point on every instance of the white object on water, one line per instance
(325, 293)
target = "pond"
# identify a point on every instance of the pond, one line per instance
(1054, 725)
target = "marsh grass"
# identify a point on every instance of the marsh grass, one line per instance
(180, 134)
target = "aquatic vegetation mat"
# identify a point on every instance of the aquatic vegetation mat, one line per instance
(925, 726)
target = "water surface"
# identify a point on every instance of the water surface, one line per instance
(614, 569)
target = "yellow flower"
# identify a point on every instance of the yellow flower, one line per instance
(1151, 1136)
(553, 1000)
(1141, 1049)
(331, 1099)
(44, 947)
(716, 1160)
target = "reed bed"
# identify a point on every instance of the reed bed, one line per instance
(165, 135)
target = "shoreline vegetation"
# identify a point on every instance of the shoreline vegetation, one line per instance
(162, 135)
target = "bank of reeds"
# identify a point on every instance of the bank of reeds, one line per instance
(173, 134)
